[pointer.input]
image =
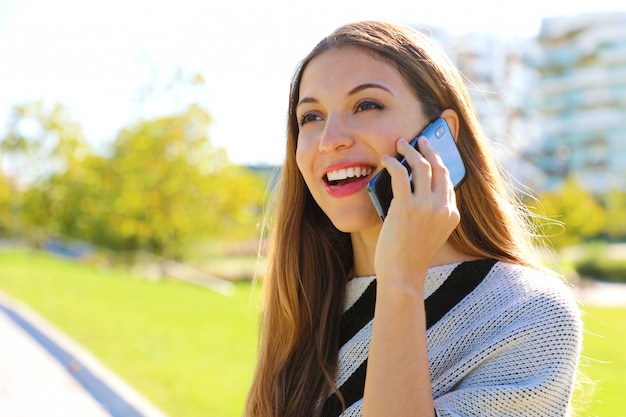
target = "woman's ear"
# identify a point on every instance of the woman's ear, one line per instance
(452, 120)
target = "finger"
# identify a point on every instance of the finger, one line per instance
(440, 182)
(400, 184)
(421, 168)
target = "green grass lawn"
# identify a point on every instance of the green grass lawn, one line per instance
(187, 349)
(604, 361)
(192, 352)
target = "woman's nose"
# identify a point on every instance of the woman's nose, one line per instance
(335, 135)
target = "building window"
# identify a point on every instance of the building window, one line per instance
(596, 154)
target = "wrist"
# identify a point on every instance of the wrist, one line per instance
(401, 286)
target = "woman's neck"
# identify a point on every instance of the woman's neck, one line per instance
(364, 249)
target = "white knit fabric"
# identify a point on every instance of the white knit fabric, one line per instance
(509, 348)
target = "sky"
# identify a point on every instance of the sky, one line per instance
(99, 59)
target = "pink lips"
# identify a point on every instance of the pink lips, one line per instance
(358, 173)
(347, 189)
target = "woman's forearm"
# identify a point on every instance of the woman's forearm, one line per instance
(398, 377)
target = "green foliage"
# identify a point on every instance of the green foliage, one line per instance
(10, 203)
(162, 186)
(41, 140)
(165, 185)
(569, 216)
(573, 215)
(615, 206)
(602, 268)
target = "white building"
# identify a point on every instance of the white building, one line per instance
(581, 100)
(499, 82)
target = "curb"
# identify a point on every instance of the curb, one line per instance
(111, 392)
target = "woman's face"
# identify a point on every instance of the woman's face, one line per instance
(353, 108)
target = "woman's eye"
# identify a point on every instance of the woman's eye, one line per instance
(368, 105)
(308, 117)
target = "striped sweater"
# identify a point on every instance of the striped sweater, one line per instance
(503, 340)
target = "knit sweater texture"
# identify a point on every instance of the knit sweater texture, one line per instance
(509, 347)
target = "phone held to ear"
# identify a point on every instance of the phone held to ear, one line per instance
(440, 138)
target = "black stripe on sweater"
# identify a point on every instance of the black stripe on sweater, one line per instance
(358, 315)
(353, 320)
(351, 390)
(462, 281)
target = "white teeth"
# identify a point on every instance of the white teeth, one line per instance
(342, 174)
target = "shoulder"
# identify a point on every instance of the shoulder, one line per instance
(514, 297)
(510, 347)
(516, 336)
(518, 284)
(523, 296)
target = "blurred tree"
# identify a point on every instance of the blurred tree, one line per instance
(60, 206)
(164, 186)
(10, 205)
(41, 140)
(615, 206)
(569, 216)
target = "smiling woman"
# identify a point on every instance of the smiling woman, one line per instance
(442, 309)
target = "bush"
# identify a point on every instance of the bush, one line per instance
(602, 269)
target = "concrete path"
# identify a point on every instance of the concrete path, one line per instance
(601, 294)
(44, 373)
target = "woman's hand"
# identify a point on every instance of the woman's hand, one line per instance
(419, 222)
(417, 225)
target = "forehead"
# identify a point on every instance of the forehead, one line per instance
(343, 68)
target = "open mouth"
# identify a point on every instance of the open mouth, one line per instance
(347, 175)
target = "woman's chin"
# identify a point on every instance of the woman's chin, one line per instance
(356, 223)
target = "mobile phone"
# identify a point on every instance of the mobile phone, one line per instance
(440, 138)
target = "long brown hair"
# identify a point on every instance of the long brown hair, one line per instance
(309, 259)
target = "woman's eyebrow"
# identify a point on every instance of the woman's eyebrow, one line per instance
(366, 86)
(306, 100)
(352, 92)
